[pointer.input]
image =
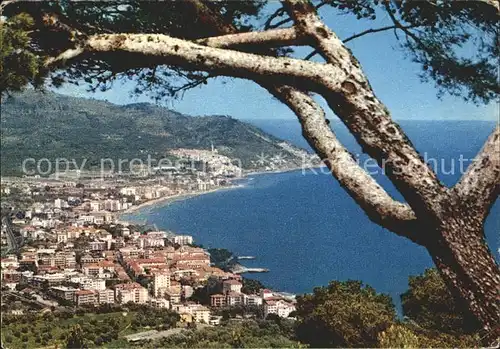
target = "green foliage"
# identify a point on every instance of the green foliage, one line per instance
(76, 338)
(429, 303)
(409, 336)
(251, 286)
(105, 325)
(18, 66)
(244, 334)
(220, 256)
(455, 42)
(153, 317)
(182, 19)
(398, 336)
(36, 125)
(344, 314)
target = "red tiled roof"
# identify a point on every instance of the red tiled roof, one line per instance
(232, 282)
(128, 286)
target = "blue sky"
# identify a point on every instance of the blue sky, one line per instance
(393, 77)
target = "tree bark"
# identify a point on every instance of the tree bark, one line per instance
(467, 266)
(480, 185)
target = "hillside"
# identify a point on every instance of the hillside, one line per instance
(49, 125)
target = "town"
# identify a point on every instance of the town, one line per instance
(66, 246)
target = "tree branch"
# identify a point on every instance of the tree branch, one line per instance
(368, 119)
(376, 30)
(480, 185)
(311, 55)
(220, 61)
(282, 10)
(368, 194)
(380, 207)
(270, 38)
(358, 35)
(65, 56)
(6, 3)
(373, 199)
(278, 13)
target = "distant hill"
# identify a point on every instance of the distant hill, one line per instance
(48, 125)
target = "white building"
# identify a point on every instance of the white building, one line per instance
(198, 312)
(106, 296)
(128, 191)
(253, 299)
(86, 219)
(181, 239)
(161, 283)
(279, 307)
(231, 286)
(265, 294)
(95, 205)
(93, 284)
(131, 292)
(159, 303)
(58, 203)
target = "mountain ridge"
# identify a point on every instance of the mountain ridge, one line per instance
(49, 125)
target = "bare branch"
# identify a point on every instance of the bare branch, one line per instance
(65, 56)
(376, 30)
(480, 184)
(311, 55)
(289, 19)
(278, 13)
(279, 24)
(6, 3)
(377, 204)
(405, 29)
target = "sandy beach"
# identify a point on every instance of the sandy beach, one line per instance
(169, 199)
(177, 197)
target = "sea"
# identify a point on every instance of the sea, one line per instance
(307, 231)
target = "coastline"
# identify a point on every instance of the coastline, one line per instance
(177, 197)
(173, 198)
(253, 173)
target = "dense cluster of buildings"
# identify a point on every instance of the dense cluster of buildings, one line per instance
(72, 248)
(90, 266)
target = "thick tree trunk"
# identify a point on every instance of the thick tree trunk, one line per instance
(467, 266)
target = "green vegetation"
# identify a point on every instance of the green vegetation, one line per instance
(241, 334)
(350, 314)
(18, 66)
(88, 327)
(220, 257)
(429, 303)
(251, 286)
(48, 125)
(342, 314)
